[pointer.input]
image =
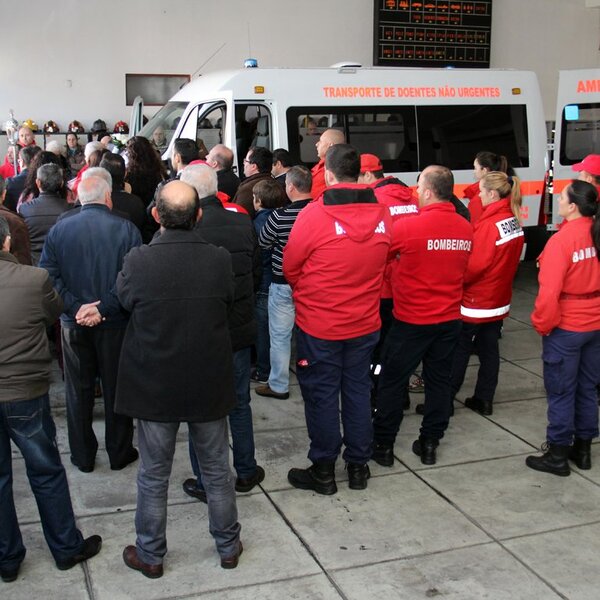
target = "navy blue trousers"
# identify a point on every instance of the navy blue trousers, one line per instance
(405, 347)
(485, 336)
(571, 374)
(330, 370)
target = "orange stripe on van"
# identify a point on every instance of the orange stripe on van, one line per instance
(528, 188)
(558, 185)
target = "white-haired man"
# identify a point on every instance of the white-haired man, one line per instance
(83, 255)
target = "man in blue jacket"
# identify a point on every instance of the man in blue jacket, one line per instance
(83, 255)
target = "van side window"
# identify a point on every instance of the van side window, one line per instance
(580, 132)
(252, 128)
(453, 135)
(209, 128)
(389, 132)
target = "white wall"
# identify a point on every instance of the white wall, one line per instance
(92, 44)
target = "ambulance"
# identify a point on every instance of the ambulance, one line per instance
(410, 118)
(577, 130)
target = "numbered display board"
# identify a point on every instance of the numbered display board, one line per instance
(432, 33)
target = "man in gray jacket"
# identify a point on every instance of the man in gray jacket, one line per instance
(28, 304)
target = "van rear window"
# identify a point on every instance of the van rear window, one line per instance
(580, 132)
(409, 138)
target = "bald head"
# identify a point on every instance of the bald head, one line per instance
(330, 137)
(177, 206)
(435, 184)
(220, 157)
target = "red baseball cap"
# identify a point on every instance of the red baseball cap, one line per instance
(590, 164)
(370, 162)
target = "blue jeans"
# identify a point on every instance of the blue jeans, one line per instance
(332, 368)
(263, 342)
(240, 421)
(571, 363)
(282, 314)
(29, 424)
(157, 447)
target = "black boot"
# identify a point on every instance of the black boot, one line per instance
(483, 407)
(320, 477)
(357, 476)
(425, 448)
(554, 460)
(580, 454)
(383, 454)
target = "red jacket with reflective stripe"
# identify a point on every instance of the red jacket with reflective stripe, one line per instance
(497, 246)
(429, 256)
(401, 203)
(569, 293)
(334, 262)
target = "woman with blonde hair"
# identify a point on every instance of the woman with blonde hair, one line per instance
(497, 246)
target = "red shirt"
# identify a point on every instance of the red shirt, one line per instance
(475, 205)
(318, 180)
(334, 260)
(569, 278)
(497, 246)
(429, 256)
(401, 202)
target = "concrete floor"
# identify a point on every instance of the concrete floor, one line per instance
(478, 524)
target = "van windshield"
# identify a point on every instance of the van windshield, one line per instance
(580, 132)
(161, 127)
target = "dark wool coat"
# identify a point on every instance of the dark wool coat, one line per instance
(176, 361)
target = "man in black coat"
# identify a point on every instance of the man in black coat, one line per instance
(234, 232)
(41, 213)
(220, 158)
(176, 366)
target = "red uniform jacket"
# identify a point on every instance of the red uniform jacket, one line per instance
(429, 256)
(334, 260)
(401, 203)
(475, 206)
(318, 180)
(497, 246)
(569, 278)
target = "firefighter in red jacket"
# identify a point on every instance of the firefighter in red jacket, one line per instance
(484, 163)
(497, 246)
(430, 254)
(328, 138)
(567, 314)
(334, 261)
(401, 202)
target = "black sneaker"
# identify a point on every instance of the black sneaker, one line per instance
(259, 377)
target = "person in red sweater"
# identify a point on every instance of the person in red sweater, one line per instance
(328, 138)
(429, 256)
(334, 261)
(401, 202)
(497, 246)
(484, 163)
(589, 170)
(567, 314)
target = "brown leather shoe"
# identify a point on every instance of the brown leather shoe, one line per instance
(132, 560)
(232, 561)
(265, 390)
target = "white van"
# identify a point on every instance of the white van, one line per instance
(577, 129)
(410, 118)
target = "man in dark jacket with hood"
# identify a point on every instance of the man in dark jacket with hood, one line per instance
(176, 366)
(234, 232)
(334, 261)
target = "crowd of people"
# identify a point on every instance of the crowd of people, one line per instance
(171, 285)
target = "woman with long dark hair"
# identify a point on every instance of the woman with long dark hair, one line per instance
(485, 162)
(144, 170)
(567, 314)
